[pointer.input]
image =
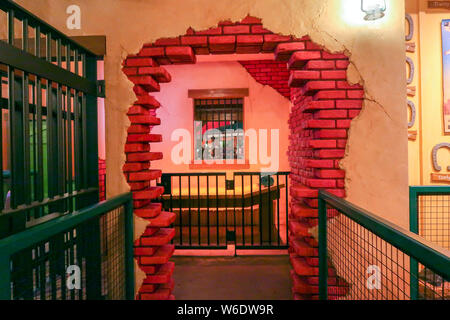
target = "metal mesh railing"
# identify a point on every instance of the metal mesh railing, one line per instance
(364, 257)
(430, 218)
(85, 255)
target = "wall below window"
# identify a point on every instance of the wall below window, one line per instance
(264, 108)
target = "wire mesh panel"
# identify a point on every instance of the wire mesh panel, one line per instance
(90, 260)
(430, 218)
(363, 257)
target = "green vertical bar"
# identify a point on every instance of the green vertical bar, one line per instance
(129, 251)
(40, 142)
(26, 138)
(25, 35)
(413, 227)
(323, 264)
(5, 279)
(37, 45)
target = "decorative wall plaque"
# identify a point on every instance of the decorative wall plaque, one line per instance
(440, 177)
(413, 113)
(436, 165)
(439, 4)
(446, 73)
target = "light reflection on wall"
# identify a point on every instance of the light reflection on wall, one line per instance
(352, 15)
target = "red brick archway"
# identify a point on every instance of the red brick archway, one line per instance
(324, 104)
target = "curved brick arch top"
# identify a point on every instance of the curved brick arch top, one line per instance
(323, 105)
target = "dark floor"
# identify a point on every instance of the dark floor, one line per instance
(232, 278)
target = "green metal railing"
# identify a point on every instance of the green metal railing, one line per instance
(98, 240)
(365, 257)
(429, 217)
(48, 125)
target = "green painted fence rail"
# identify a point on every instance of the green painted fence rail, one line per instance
(384, 236)
(42, 233)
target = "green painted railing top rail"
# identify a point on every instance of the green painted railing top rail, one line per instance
(36, 264)
(429, 217)
(365, 257)
(48, 124)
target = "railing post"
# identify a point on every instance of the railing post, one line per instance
(323, 263)
(5, 279)
(413, 227)
(129, 251)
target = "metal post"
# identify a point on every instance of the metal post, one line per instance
(413, 227)
(129, 251)
(323, 264)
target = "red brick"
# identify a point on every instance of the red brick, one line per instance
(299, 77)
(137, 110)
(136, 147)
(303, 249)
(321, 124)
(161, 256)
(272, 40)
(135, 166)
(342, 64)
(150, 120)
(302, 211)
(144, 251)
(158, 73)
(159, 294)
(155, 52)
(353, 113)
(180, 54)
(299, 58)
(284, 51)
(195, 41)
(160, 238)
(222, 44)
(331, 114)
(330, 94)
(319, 64)
(238, 29)
(148, 102)
(329, 174)
(335, 56)
(140, 62)
(147, 82)
(349, 104)
(320, 163)
(343, 123)
(145, 175)
(248, 49)
(334, 74)
(249, 40)
(163, 275)
(164, 220)
(319, 105)
(143, 157)
(167, 42)
(346, 85)
(149, 193)
(312, 86)
(322, 144)
(355, 94)
(210, 31)
(259, 30)
(299, 228)
(301, 268)
(303, 192)
(330, 133)
(136, 186)
(150, 211)
(330, 153)
(130, 71)
(312, 46)
(320, 183)
(342, 144)
(251, 20)
(138, 128)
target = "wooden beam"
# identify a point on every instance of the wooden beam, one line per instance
(218, 93)
(96, 44)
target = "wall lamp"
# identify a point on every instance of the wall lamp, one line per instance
(374, 9)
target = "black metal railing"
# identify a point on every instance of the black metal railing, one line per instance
(86, 254)
(249, 210)
(430, 218)
(365, 257)
(48, 126)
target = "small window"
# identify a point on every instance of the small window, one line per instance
(218, 129)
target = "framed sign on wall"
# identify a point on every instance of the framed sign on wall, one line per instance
(446, 73)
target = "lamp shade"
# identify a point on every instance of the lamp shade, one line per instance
(374, 9)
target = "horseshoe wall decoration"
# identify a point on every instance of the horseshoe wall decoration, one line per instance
(436, 165)
(412, 106)
(410, 35)
(410, 62)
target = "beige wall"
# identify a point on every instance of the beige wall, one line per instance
(429, 100)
